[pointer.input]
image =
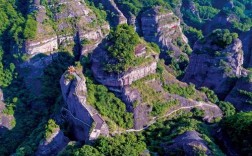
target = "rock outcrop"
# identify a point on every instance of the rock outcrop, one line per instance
(5, 119)
(246, 39)
(161, 26)
(110, 6)
(114, 80)
(45, 39)
(33, 69)
(214, 68)
(79, 114)
(190, 143)
(120, 82)
(52, 145)
(83, 26)
(74, 23)
(239, 95)
(1, 95)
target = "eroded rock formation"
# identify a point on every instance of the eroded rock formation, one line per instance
(122, 79)
(73, 23)
(5, 119)
(238, 96)
(161, 26)
(117, 17)
(52, 145)
(45, 39)
(216, 68)
(78, 112)
(1, 95)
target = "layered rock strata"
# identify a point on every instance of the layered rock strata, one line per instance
(45, 39)
(161, 26)
(73, 24)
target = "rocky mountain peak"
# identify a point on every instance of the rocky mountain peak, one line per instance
(214, 66)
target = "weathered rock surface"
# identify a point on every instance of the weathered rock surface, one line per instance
(75, 22)
(33, 70)
(46, 38)
(246, 39)
(161, 26)
(190, 143)
(215, 72)
(1, 95)
(117, 17)
(120, 82)
(122, 79)
(5, 119)
(53, 145)
(211, 111)
(241, 101)
(79, 114)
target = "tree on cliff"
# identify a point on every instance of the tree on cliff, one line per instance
(222, 37)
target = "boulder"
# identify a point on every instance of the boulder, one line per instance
(190, 143)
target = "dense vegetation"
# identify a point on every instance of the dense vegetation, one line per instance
(238, 128)
(120, 145)
(105, 101)
(222, 37)
(36, 115)
(203, 12)
(122, 56)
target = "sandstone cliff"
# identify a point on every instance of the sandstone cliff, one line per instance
(215, 68)
(79, 114)
(52, 145)
(76, 22)
(46, 38)
(72, 23)
(122, 79)
(246, 39)
(161, 26)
